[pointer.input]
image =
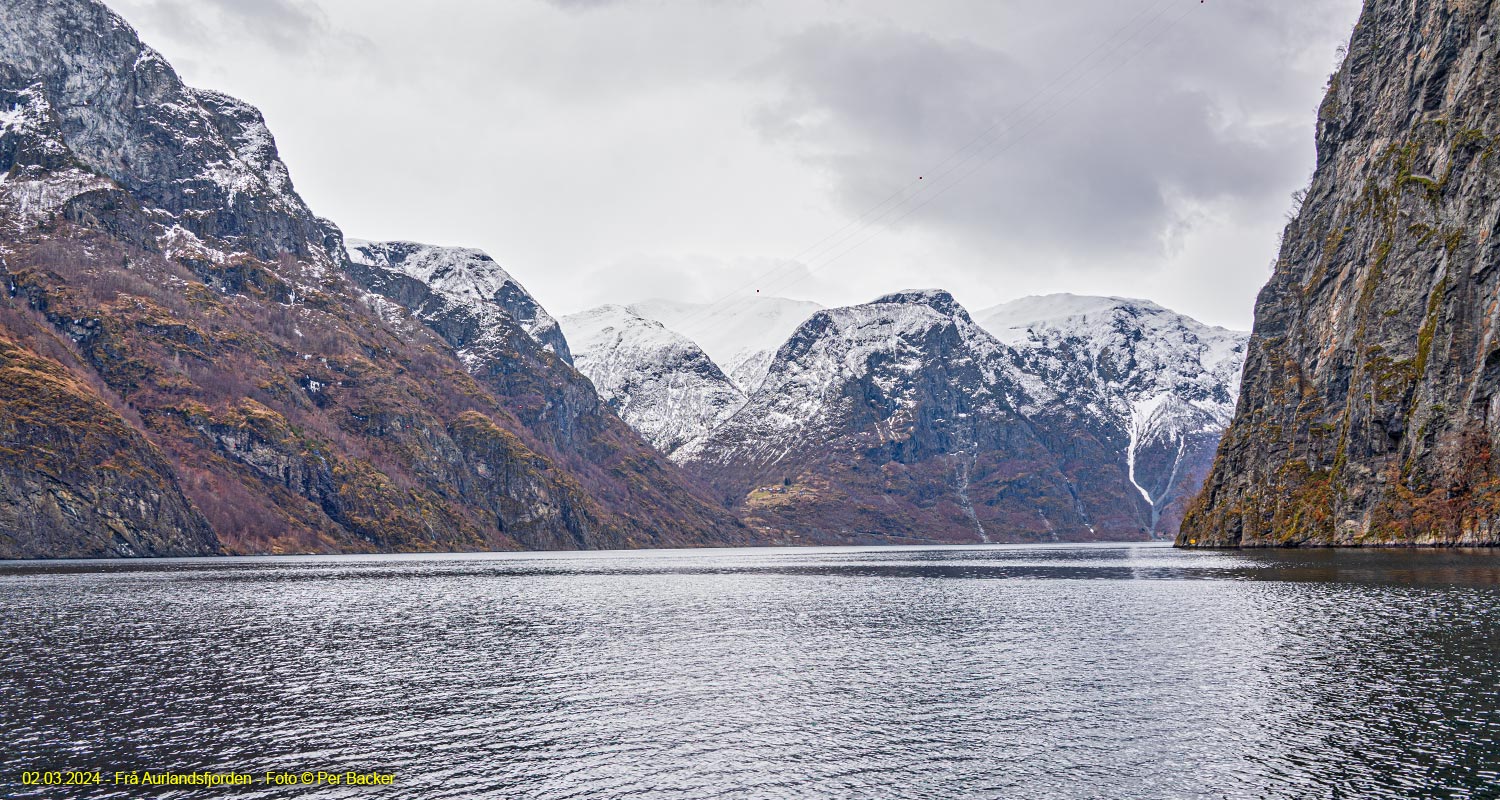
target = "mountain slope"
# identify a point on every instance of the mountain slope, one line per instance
(897, 421)
(467, 276)
(1368, 413)
(70, 462)
(1125, 399)
(659, 382)
(1157, 385)
(266, 393)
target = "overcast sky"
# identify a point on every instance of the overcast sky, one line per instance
(614, 150)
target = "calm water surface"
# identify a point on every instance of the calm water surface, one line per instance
(993, 672)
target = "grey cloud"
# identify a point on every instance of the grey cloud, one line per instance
(1115, 169)
(613, 149)
(581, 5)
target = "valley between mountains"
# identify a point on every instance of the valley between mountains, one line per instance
(195, 363)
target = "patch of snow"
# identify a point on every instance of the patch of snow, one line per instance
(468, 277)
(33, 201)
(660, 382)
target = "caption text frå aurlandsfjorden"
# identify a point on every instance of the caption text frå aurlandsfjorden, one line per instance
(167, 778)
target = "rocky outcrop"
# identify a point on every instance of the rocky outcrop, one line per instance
(419, 275)
(78, 480)
(1370, 408)
(203, 158)
(263, 391)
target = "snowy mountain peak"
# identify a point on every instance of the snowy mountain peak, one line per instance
(658, 381)
(1102, 320)
(466, 276)
(1010, 321)
(939, 300)
(194, 158)
(1166, 381)
(884, 324)
(1061, 415)
(1135, 343)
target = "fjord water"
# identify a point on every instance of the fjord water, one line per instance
(996, 672)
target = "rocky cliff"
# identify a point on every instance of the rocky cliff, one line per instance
(1370, 408)
(195, 363)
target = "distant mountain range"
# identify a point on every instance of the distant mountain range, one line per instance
(192, 362)
(907, 420)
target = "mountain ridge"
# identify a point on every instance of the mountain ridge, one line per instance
(1173, 390)
(270, 393)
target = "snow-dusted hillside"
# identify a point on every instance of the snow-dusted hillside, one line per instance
(896, 421)
(464, 277)
(741, 335)
(1115, 405)
(1166, 380)
(88, 109)
(658, 381)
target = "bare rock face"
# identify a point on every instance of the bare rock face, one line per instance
(1370, 407)
(76, 479)
(203, 158)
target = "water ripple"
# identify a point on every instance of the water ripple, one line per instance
(996, 672)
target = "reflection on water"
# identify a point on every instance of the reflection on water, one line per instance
(995, 672)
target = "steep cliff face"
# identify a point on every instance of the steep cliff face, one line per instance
(76, 479)
(230, 379)
(1370, 407)
(200, 158)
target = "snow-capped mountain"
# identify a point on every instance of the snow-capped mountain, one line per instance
(465, 277)
(1164, 380)
(740, 334)
(285, 393)
(657, 380)
(899, 417)
(897, 420)
(110, 114)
